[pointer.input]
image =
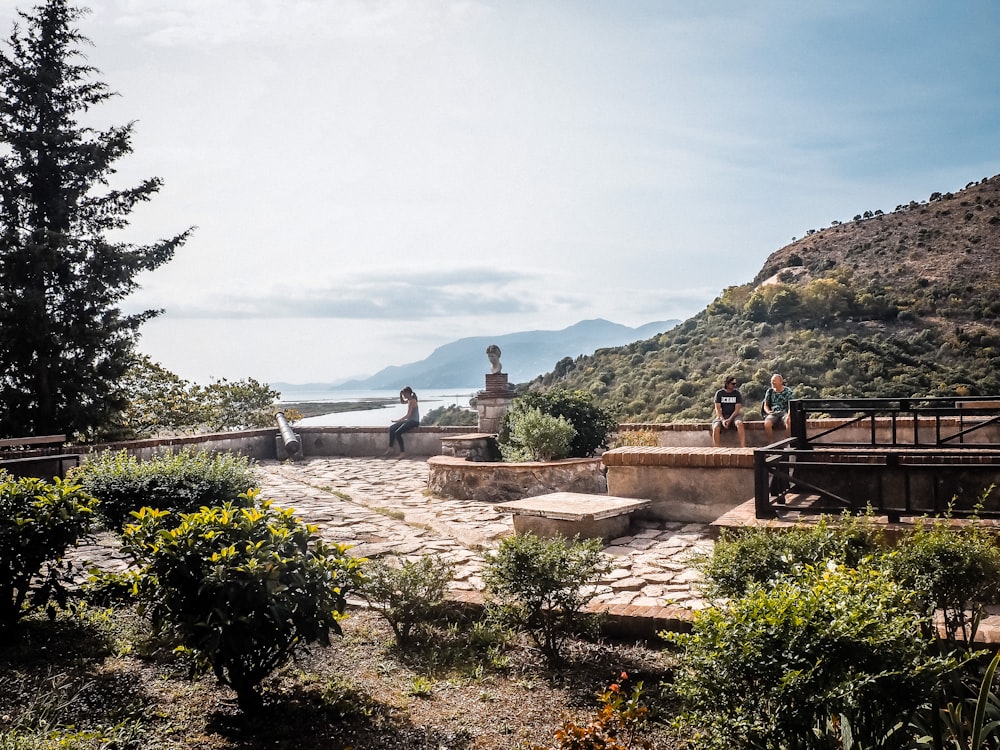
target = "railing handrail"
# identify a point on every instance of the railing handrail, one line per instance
(984, 411)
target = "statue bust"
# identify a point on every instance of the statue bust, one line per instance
(493, 355)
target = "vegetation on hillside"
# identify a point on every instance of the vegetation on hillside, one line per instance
(887, 305)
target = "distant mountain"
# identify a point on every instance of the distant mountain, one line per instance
(526, 355)
(886, 305)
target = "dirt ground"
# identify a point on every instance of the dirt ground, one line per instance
(100, 686)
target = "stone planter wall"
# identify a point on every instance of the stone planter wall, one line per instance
(502, 482)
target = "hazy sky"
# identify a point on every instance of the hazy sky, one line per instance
(371, 179)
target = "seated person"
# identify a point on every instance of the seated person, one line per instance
(728, 407)
(775, 406)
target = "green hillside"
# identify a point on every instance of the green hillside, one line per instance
(894, 304)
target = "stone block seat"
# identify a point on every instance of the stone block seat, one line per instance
(571, 514)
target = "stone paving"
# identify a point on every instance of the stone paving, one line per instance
(383, 507)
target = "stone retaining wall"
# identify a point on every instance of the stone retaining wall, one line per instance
(690, 484)
(261, 444)
(499, 481)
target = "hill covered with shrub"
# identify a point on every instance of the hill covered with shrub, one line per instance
(896, 304)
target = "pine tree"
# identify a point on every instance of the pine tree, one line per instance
(64, 342)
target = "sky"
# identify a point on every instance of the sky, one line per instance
(371, 179)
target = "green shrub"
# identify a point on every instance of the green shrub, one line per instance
(593, 424)
(39, 521)
(542, 585)
(742, 559)
(240, 587)
(832, 659)
(647, 438)
(951, 570)
(535, 436)
(408, 593)
(180, 481)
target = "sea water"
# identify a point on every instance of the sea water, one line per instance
(431, 399)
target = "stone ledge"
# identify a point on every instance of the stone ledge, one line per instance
(697, 458)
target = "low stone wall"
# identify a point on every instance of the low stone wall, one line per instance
(690, 484)
(257, 444)
(499, 481)
(315, 441)
(371, 441)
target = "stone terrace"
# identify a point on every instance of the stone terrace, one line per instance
(383, 507)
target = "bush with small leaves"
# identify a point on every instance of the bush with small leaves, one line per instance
(240, 587)
(407, 593)
(952, 570)
(593, 423)
(534, 436)
(830, 659)
(623, 438)
(180, 481)
(742, 559)
(39, 522)
(542, 585)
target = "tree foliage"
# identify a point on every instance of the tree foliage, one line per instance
(158, 402)
(64, 342)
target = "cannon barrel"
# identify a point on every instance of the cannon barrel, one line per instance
(288, 438)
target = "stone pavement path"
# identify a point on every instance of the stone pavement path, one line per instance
(383, 506)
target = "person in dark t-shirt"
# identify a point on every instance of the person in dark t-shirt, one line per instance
(728, 411)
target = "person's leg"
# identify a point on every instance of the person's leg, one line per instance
(742, 433)
(769, 427)
(394, 430)
(717, 432)
(404, 427)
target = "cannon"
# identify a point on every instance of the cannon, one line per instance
(288, 443)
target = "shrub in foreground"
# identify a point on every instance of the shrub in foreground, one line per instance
(831, 659)
(180, 481)
(747, 557)
(39, 521)
(407, 593)
(542, 585)
(951, 570)
(240, 587)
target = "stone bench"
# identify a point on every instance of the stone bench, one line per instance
(571, 514)
(693, 484)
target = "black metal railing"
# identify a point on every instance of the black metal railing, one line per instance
(918, 457)
(942, 422)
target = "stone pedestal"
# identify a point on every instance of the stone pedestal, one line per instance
(494, 402)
